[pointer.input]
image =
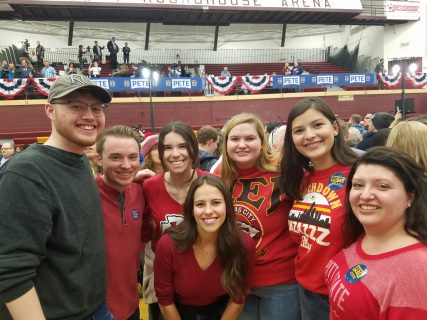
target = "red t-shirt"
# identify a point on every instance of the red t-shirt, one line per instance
(178, 276)
(316, 224)
(390, 286)
(263, 214)
(165, 211)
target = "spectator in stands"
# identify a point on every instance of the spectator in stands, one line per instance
(25, 46)
(48, 71)
(33, 57)
(82, 60)
(126, 53)
(4, 69)
(379, 120)
(314, 167)
(208, 248)
(121, 71)
(379, 68)
(386, 223)
(297, 69)
(113, 48)
(94, 71)
(40, 54)
(26, 70)
(150, 152)
(286, 70)
(175, 71)
(410, 137)
(251, 171)
(12, 72)
(97, 52)
(207, 137)
(71, 69)
(118, 149)
(55, 246)
(225, 72)
(7, 151)
(354, 122)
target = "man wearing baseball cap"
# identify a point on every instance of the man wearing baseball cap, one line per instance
(51, 236)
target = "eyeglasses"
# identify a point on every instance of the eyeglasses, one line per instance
(80, 108)
(6, 148)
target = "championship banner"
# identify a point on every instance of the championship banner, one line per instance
(9, 88)
(255, 83)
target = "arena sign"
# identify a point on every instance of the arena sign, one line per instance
(285, 5)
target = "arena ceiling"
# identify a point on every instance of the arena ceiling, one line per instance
(17, 10)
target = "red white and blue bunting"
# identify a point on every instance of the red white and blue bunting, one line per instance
(417, 81)
(222, 85)
(9, 88)
(256, 83)
(43, 85)
(390, 81)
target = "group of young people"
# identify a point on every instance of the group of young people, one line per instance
(315, 233)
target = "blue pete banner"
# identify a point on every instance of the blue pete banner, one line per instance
(141, 84)
(323, 80)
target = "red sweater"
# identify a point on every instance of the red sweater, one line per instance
(263, 214)
(122, 244)
(315, 223)
(164, 210)
(178, 276)
(388, 286)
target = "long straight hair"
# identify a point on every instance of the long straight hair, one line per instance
(231, 251)
(293, 163)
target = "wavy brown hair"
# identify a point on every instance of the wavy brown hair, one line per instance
(231, 250)
(267, 161)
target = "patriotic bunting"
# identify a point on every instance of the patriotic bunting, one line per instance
(256, 83)
(417, 81)
(222, 85)
(9, 88)
(390, 82)
(43, 85)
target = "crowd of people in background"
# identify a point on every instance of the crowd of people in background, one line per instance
(311, 219)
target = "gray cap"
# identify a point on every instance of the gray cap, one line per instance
(66, 84)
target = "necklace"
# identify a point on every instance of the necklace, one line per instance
(204, 251)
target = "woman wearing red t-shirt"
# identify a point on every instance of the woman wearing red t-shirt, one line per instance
(314, 169)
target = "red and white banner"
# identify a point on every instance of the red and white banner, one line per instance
(43, 85)
(9, 88)
(256, 83)
(222, 85)
(402, 10)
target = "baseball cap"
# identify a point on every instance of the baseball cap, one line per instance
(69, 83)
(381, 120)
(148, 144)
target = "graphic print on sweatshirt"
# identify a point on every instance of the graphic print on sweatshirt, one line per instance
(255, 201)
(313, 216)
(170, 220)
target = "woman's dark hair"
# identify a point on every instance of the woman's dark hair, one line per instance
(231, 251)
(185, 131)
(414, 180)
(293, 163)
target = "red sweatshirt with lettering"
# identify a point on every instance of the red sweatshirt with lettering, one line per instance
(316, 222)
(390, 285)
(262, 212)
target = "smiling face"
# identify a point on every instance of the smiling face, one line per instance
(313, 136)
(74, 132)
(119, 161)
(244, 145)
(175, 154)
(378, 199)
(209, 209)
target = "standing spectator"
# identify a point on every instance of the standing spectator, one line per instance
(113, 48)
(3, 70)
(208, 248)
(12, 72)
(25, 46)
(48, 71)
(286, 70)
(71, 69)
(314, 167)
(94, 71)
(123, 206)
(251, 172)
(25, 71)
(386, 221)
(53, 254)
(40, 54)
(225, 72)
(126, 53)
(33, 58)
(297, 69)
(208, 138)
(355, 121)
(7, 151)
(379, 70)
(97, 52)
(82, 60)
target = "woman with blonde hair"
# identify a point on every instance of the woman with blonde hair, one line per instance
(411, 138)
(250, 170)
